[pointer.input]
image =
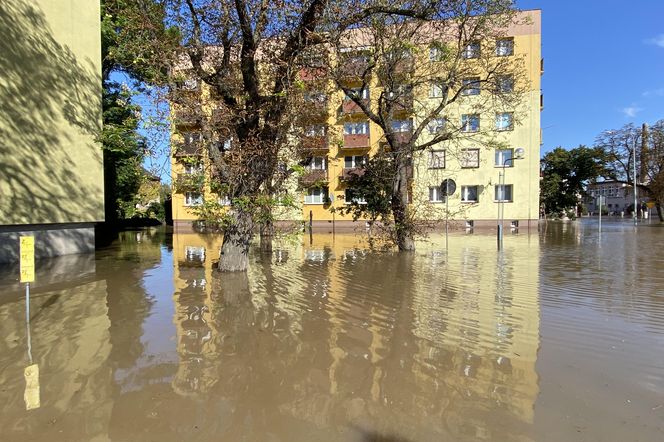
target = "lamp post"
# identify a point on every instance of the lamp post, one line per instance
(518, 154)
(634, 182)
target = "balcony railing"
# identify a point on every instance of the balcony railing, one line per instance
(188, 117)
(188, 149)
(186, 182)
(313, 73)
(349, 107)
(359, 141)
(312, 144)
(353, 67)
(349, 173)
(402, 104)
(314, 177)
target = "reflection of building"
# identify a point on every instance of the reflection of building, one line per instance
(338, 338)
(341, 138)
(51, 175)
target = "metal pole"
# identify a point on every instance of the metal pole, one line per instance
(27, 320)
(501, 176)
(447, 209)
(634, 182)
(600, 213)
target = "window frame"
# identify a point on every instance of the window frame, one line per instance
(498, 152)
(434, 161)
(324, 193)
(354, 163)
(471, 86)
(189, 200)
(437, 88)
(463, 158)
(352, 200)
(464, 193)
(472, 50)
(466, 127)
(510, 46)
(499, 119)
(436, 192)
(504, 187)
(355, 124)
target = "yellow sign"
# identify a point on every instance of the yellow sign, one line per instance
(27, 252)
(650, 204)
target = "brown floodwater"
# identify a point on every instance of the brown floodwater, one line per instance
(559, 336)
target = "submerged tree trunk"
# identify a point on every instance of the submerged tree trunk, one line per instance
(402, 223)
(234, 255)
(266, 234)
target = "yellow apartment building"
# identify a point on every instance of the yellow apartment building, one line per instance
(51, 171)
(343, 138)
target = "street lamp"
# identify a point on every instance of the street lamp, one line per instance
(518, 154)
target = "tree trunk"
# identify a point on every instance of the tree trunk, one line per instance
(402, 223)
(266, 234)
(234, 256)
(658, 206)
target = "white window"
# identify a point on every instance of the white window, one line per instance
(362, 93)
(436, 53)
(402, 125)
(315, 130)
(469, 194)
(505, 84)
(193, 168)
(471, 86)
(194, 254)
(190, 84)
(504, 192)
(470, 122)
(436, 125)
(504, 47)
(352, 161)
(471, 50)
(437, 89)
(470, 158)
(316, 195)
(436, 195)
(437, 159)
(361, 128)
(193, 199)
(504, 121)
(318, 163)
(351, 196)
(224, 200)
(504, 157)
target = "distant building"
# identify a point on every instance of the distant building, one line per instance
(51, 174)
(619, 197)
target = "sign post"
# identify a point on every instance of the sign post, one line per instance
(447, 187)
(27, 272)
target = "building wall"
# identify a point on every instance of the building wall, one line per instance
(50, 112)
(523, 175)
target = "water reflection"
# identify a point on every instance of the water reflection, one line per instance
(327, 340)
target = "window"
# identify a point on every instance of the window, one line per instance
(437, 159)
(471, 86)
(318, 163)
(436, 53)
(362, 93)
(504, 47)
(351, 196)
(504, 157)
(402, 125)
(352, 161)
(505, 84)
(400, 90)
(193, 168)
(504, 121)
(224, 200)
(504, 192)
(316, 195)
(436, 194)
(315, 130)
(437, 89)
(361, 128)
(436, 125)
(193, 199)
(192, 137)
(471, 50)
(315, 97)
(469, 194)
(194, 254)
(470, 158)
(470, 122)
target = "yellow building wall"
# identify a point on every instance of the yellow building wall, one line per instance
(51, 167)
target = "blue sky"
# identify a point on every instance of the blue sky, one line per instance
(604, 66)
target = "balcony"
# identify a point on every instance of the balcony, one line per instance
(402, 104)
(189, 117)
(189, 182)
(348, 173)
(313, 73)
(309, 145)
(313, 177)
(313, 111)
(349, 107)
(360, 141)
(188, 149)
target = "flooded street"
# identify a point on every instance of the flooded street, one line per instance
(559, 336)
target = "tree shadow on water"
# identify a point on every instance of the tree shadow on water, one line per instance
(50, 115)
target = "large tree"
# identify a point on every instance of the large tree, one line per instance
(565, 175)
(645, 146)
(413, 77)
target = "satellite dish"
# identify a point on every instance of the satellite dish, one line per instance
(448, 187)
